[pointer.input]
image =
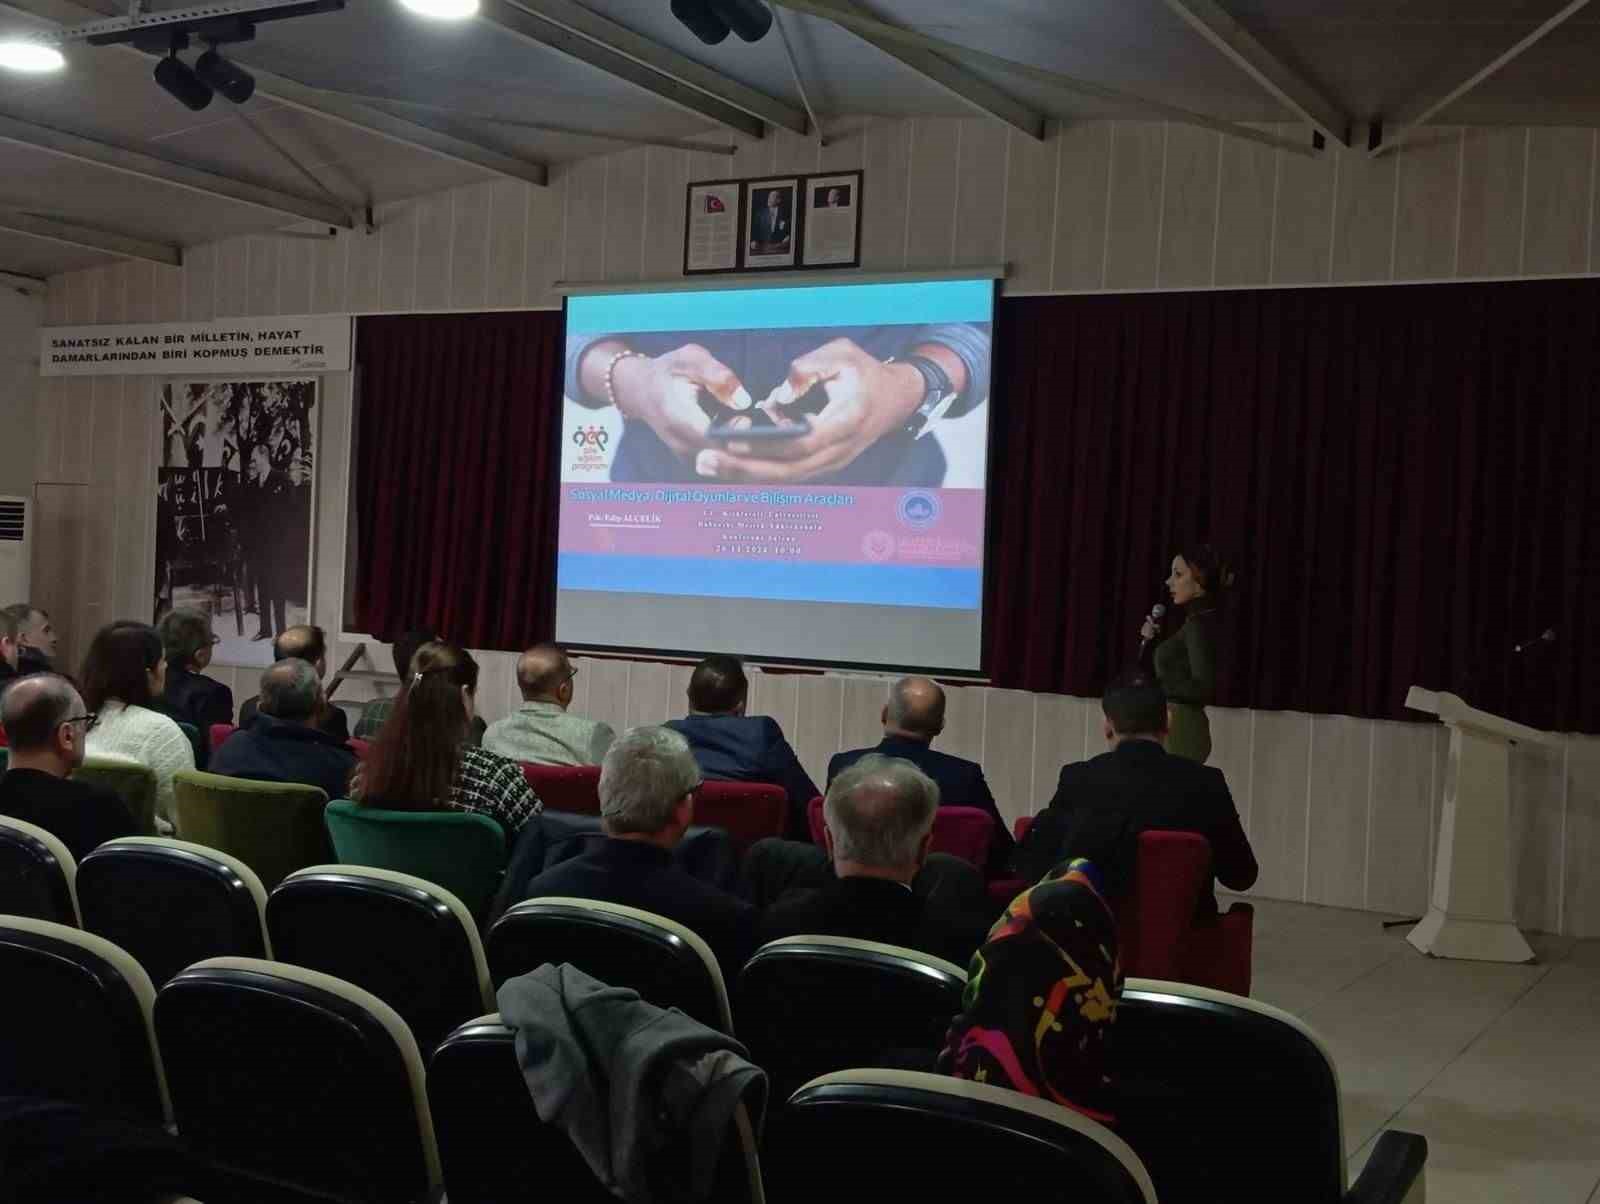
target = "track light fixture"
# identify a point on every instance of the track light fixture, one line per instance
(700, 20)
(180, 82)
(232, 80)
(711, 20)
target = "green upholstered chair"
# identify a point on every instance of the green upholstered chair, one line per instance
(461, 851)
(133, 783)
(273, 827)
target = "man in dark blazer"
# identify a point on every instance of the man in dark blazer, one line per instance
(282, 742)
(304, 642)
(878, 821)
(1103, 804)
(647, 785)
(730, 746)
(913, 717)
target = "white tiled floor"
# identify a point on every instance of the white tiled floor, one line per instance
(1498, 1066)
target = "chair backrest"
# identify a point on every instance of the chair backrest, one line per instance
(133, 783)
(411, 943)
(814, 820)
(37, 873)
(493, 1146)
(963, 832)
(273, 827)
(746, 811)
(459, 850)
(811, 1005)
(77, 1022)
(171, 903)
(660, 958)
(565, 787)
(1152, 917)
(219, 734)
(359, 747)
(287, 1075)
(974, 1141)
(1201, 1075)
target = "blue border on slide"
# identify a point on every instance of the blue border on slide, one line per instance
(924, 586)
(909, 303)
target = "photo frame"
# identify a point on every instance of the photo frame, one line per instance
(770, 230)
(712, 227)
(831, 220)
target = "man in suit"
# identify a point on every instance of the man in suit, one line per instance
(36, 638)
(543, 732)
(282, 743)
(730, 746)
(9, 651)
(877, 827)
(913, 717)
(304, 642)
(1103, 804)
(769, 228)
(647, 785)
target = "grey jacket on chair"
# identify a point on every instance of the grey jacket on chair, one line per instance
(646, 1095)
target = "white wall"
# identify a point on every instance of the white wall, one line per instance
(1342, 811)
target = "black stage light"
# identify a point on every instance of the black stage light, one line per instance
(750, 19)
(702, 22)
(180, 82)
(232, 80)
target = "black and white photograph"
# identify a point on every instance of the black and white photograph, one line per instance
(832, 222)
(830, 196)
(770, 223)
(233, 508)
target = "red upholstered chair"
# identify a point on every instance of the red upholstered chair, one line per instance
(963, 832)
(359, 747)
(574, 788)
(814, 820)
(219, 734)
(747, 811)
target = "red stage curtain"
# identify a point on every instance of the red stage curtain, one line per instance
(456, 475)
(1405, 478)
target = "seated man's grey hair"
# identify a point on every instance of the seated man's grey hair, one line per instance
(289, 689)
(879, 810)
(643, 778)
(34, 707)
(184, 633)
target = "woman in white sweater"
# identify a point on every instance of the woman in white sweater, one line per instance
(123, 675)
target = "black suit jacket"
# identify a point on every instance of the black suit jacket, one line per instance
(197, 700)
(334, 721)
(961, 784)
(1103, 804)
(278, 750)
(874, 909)
(641, 875)
(748, 748)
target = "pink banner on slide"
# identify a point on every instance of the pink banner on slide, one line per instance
(797, 524)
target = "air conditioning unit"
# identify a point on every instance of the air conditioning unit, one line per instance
(16, 540)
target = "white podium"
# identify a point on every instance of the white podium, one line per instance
(1470, 913)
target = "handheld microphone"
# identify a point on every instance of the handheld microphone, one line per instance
(1157, 613)
(1547, 636)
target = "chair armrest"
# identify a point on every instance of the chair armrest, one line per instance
(1394, 1173)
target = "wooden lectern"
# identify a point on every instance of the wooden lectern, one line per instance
(1470, 913)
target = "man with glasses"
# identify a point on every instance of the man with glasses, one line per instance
(542, 732)
(46, 724)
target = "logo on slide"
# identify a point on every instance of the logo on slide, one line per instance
(919, 509)
(877, 545)
(591, 436)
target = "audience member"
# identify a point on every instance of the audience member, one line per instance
(46, 721)
(282, 743)
(1102, 805)
(541, 732)
(190, 696)
(730, 746)
(36, 638)
(913, 717)
(1042, 996)
(647, 785)
(878, 824)
(9, 652)
(376, 712)
(305, 643)
(422, 760)
(123, 676)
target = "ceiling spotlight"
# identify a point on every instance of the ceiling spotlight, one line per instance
(443, 10)
(18, 54)
(750, 19)
(180, 81)
(702, 22)
(232, 80)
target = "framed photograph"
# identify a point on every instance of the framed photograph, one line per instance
(771, 220)
(831, 222)
(711, 227)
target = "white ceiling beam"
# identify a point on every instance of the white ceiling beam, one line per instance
(297, 95)
(843, 13)
(586, 36)
(73, 235)
(1240, 47)
(172, 172)
(1410, 118)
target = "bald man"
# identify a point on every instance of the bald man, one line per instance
(304, 642)
(541, 732)
(913, 717)
(46, 724)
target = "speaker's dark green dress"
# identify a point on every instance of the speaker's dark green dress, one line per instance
(1186, 665)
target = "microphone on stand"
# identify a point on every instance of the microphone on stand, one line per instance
(1157, 613)
(1547, 636)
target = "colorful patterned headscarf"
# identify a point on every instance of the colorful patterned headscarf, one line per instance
(1042, 995)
